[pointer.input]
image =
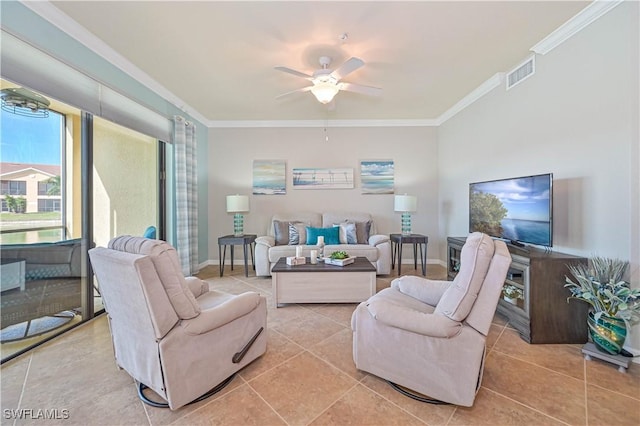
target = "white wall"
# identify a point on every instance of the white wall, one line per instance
(232, 151)
(577, 117)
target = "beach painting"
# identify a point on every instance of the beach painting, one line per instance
(323, 178)
(269, 177)
(376, 176)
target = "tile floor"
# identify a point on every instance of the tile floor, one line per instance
(308, 378)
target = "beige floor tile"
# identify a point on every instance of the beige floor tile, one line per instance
(337, 350)
(428, 413)
(286, 313)
(491, 408)
(309, 329)
(494, 333)
(77, 372)
(499, 319)
(279, 350)
(361, 406)
(230, 285)
(302, 388)
(165, 416)
(338, 312)
(566, 359)
(12, 379)
(242, 406)
(554, 394)
(608, 408)
(606, 375)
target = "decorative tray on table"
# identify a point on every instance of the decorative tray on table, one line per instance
(339, 258)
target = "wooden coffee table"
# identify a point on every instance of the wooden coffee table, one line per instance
(322, 283)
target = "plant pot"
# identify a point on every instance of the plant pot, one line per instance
(512, 300)
(607, 333)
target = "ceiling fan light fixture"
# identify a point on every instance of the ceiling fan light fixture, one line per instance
(324, 91)
(21, 101)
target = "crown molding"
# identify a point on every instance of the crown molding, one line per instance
(320, 123)
(62, 21)
(474, 95)
(574, 25)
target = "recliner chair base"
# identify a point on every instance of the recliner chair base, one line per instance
(416, 396)
(146, 400)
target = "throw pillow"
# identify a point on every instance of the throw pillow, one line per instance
(331, 235)
(297, 233)
(347, 233)
(281, 232)
(362, 232)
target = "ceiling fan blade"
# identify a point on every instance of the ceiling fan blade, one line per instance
(347, 68)
(358, 88)
(304, 89)
(294, 72)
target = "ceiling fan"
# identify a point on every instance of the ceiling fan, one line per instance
(21, 101)
(326, 82)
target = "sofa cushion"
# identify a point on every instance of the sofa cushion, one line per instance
(363, 231)
(281, 232)
(47, 260)
(331, 235)
(347, 233)
(297, 233)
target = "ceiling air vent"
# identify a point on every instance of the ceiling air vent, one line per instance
(521, 72)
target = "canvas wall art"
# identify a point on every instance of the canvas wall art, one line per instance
(269, 177)
(376, 176)
(322, 178)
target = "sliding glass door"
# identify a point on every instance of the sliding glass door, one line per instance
(125, 182)
(70, 181)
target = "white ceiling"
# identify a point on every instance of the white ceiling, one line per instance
(219, 57)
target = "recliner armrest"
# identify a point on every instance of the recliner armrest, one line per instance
(266, 240)
(230, 310)
(374, 240)
(197, 286)
(425, 290)
(433, 325)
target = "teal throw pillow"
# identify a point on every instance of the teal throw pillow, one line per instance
(331, 235)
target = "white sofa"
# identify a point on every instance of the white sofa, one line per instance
(376, 248)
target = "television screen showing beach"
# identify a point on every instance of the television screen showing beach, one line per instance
(516, 209)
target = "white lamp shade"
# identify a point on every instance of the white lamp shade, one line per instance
(324, 91)
(405, 203)
(237, 204)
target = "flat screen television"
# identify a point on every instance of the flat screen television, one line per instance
(518, 209)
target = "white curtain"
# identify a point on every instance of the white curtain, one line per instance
(184, 140)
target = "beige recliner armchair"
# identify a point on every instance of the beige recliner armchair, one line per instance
(429, 336)
(170, 333)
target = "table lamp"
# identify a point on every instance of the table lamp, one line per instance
(405, 204)
(238, 204)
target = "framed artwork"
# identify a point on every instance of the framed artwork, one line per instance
(376, 176)
(269, 177)
(322, 178)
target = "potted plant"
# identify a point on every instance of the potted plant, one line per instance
(512, 293)
(613, 302)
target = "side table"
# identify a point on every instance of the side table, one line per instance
(247, 240)
(397, 240)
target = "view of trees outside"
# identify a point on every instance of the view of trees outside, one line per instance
(486, 212)
(28, 142)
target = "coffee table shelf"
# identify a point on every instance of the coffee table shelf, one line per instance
(323, 283)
